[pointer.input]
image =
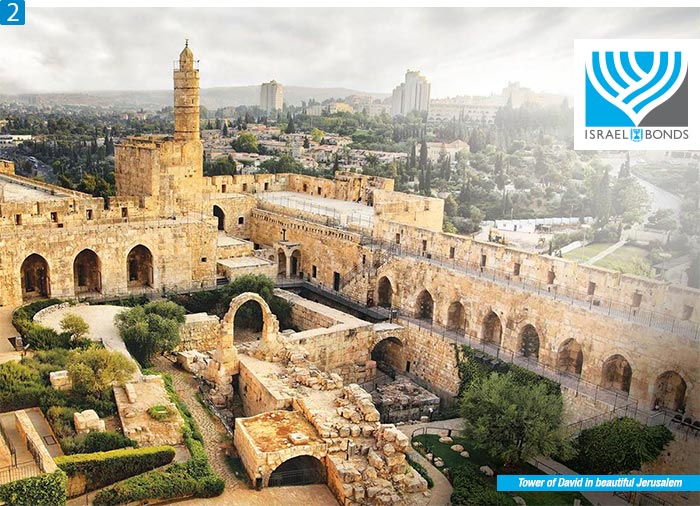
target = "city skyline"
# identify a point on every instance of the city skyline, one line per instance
(460, 51)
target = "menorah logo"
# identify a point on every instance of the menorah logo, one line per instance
(636, 89)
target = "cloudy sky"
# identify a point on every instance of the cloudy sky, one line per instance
(461, 51)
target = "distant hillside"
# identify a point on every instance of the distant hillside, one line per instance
(211, 98)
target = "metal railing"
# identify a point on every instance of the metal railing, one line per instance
(581, 299)
(10, 446)
(573, 382)
(18, 472)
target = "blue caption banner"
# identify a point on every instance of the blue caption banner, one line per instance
(599, 483)
(11, 12)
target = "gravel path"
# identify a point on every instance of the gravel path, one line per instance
(211, 428)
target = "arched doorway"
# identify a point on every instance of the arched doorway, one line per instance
(301, 470)
(385, 293)
(139, 266)
(491, 329)
(87, 275)
(388, 352)
(570, 357)
(529, 342)
(455, 316)
(221, 217)
(281, 263)
(617, 374)
(425, 306)
(295, 261)
(669, 391)
(36, 281)
(248, 322)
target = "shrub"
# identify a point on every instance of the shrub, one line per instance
(104, 468)
(43, 490)
(22, 317)
(93, 371)
(160, 413)
(193, 478)
(421, 470)
(618, 446)
(39, 337)
(61, 420)
(96, 442)
(470, 489)
(150, 329)
(74, 325)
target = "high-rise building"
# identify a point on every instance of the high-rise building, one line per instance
(271, 96)
(411, 95)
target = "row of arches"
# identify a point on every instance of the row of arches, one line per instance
(87, 273)
(616, 374)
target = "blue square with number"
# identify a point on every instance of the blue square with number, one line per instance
(11, 12)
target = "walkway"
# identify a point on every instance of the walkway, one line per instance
(552, 467)
(215, 436)
(442, 491)
(7, 330)
(309, 495)
(580, 299)
(605, 252)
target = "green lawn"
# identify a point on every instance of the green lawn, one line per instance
(481, 458)
(621, 259)
(585, 253)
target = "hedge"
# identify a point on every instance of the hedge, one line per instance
(104, 468)
(618, 446)
(96, 442)
(470, 489)
(193, 478)
(43, 490)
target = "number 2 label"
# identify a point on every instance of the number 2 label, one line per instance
(11, 12)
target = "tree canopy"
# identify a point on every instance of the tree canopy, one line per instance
(151, 329)
(511, 420)
(246, 142)
(95, 370)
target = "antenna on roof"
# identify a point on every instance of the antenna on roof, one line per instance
(187, 42)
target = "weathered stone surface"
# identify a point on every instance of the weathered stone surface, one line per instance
(486, 470)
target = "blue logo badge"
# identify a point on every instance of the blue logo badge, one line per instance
(636, 88)
(637, 134)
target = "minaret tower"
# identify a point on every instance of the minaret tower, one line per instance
(186, 77)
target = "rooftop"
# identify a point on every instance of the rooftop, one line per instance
(343, 212)
(13, 191)
(270, 431)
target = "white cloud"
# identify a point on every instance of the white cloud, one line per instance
(461, 51)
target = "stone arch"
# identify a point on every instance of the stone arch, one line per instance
(492, 329)
(295, 263)
(87, 272)
(529, 342)
(139, 266)
(388, 352)
(456, 316)
(669, 391)
(385, 292)
(35, 277)
(220, 216)
(570, 357)
(270, 342)
(281, 263)
(299, 470)
(425, 306)
(617, 374)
